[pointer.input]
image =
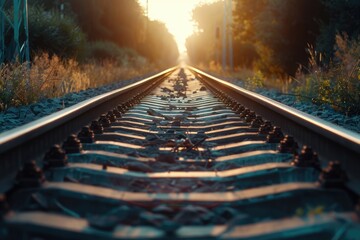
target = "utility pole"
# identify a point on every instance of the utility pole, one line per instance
(224, 32)
(14, 31)
(147, 19)
(227, 32)
(231, 52)
(217, 46)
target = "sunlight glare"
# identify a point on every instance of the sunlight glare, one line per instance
(177, 16)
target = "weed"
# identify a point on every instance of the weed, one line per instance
(255, 82)
(337, 84)
(50, 76)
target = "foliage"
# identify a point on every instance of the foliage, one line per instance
(103, 50)
(254, 82)
(338, 84)
(50, 76)
(123, 43)
(159, 45)
(247, 54)
(119, 21)
(287, 33)
(50, 32)
(105, 24)
(270, 35)
(341, 17)
(274, 37)
(109, 51)
(123, 23)
(204, 46)
(10, 80)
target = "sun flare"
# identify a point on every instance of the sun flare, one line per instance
(177, 16)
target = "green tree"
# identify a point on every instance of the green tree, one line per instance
(271, 35)
(204, 46)
(124, 23)
(117, 21)
(342, 17)
(281, 31)
(159, 45)
(51, 33)
(121, 22)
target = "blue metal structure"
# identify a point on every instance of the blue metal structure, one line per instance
(14, 31)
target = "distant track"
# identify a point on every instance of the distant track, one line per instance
(182, 155)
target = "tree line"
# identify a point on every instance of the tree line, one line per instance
(110, 24)
(275, 35)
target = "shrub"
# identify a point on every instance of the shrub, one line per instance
(11, 80)
(103, 50)
(54, 34)
(50, 76)
(338, 84)
(255, 81)
(109, 51)
(246, 54)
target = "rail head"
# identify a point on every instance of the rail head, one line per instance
(332, 142)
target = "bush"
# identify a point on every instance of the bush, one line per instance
(50, 76)
(54, 34)
(246, 54)
(11, 79)
(338, 84)
(109, 51)
(254, 82)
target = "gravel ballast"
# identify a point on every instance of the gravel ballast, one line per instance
(324, 112)
(17, 116)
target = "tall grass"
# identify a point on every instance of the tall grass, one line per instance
(252, 79)
(336, 84)
(50, 77)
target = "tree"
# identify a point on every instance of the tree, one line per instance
(342, 17)
(121, 22)
(280, 31)
(124, 23)
(159, 45)
(204, 46)
(271, 35)
(51, 33)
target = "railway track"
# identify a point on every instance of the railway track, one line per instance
(181, 155)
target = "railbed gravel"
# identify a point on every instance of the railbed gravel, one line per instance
(17, 116)
(324, 111)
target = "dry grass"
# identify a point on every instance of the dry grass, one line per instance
(336, 84)
(252, 79)
(50, 77)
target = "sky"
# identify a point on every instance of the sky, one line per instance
(176, 14)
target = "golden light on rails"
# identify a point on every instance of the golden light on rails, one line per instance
(177, 16)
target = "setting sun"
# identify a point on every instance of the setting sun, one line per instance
(176, 14)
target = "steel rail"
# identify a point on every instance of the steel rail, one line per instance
(28, 142)
(177, 159)
(331, 142)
